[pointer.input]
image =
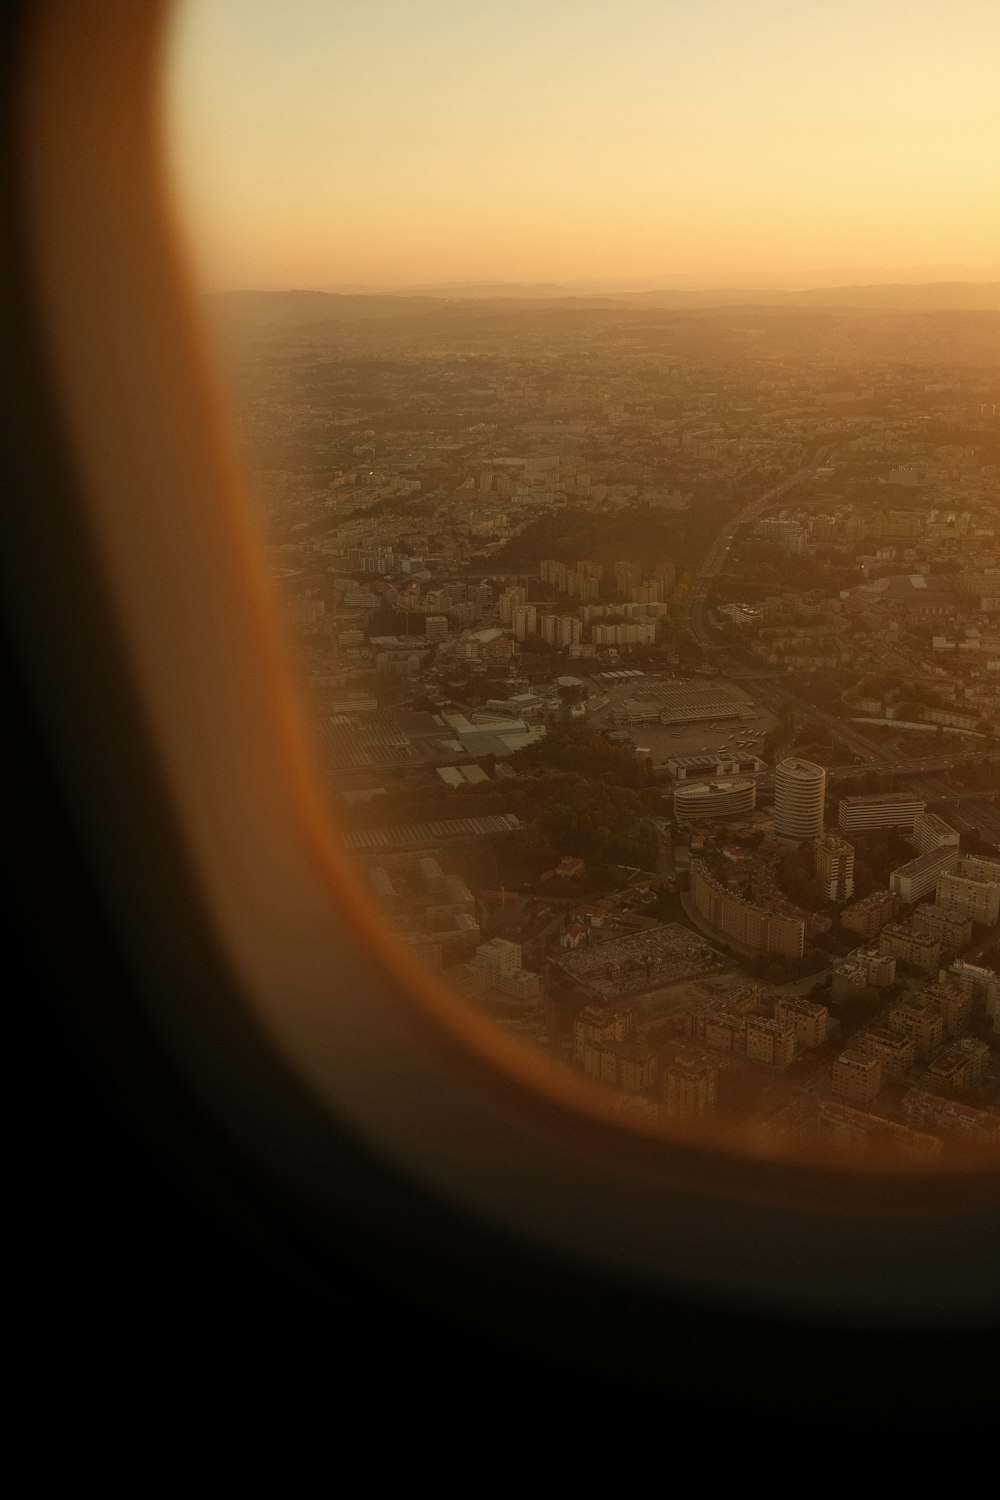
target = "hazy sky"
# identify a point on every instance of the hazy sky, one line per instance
(377, 142)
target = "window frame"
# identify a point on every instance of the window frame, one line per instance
(169, 726)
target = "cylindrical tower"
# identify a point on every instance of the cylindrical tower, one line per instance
(799, 790)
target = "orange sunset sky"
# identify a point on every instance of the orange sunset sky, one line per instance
(377, 143)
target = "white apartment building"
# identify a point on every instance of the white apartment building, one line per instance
(978, 899)
(509, 601)
(931, 832)
(560, 630)
(498, 958)
(525, 621)
(919, 876)
(883, 810)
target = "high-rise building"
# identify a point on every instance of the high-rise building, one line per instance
(628, 577)
(525, 621)
(509, 601)
(799, 791)
(833, 863)
(560, 630)
(554, 572)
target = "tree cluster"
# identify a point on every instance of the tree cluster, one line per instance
(577, 746)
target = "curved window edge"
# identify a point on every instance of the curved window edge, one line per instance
(430, 1085)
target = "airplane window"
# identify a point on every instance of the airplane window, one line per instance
(617, 393)
(696, 477)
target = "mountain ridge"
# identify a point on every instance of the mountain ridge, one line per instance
(298, 307)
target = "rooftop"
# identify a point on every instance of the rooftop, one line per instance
(801, 770)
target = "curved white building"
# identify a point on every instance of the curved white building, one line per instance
(799, 791)
(714, 799)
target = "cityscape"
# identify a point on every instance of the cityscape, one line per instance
(652, 655)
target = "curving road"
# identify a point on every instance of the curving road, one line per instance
(766, 689)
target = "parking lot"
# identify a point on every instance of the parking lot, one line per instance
(740, 730)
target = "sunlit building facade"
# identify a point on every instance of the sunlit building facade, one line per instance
(799, 792)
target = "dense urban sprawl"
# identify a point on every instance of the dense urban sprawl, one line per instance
(654, 666)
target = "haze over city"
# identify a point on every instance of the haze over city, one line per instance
(617, 393)
(654, 143)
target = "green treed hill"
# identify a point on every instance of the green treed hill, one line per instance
(638, 535)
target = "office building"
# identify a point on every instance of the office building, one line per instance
(694, 801)
(799, 790)
(883, 810)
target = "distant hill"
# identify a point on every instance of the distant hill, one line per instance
(850, 323)
(250, 312)
(475, 290)
(295, 309)
(950, 296)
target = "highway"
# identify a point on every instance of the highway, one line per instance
(766, 687)
(716, 555)
(968, 812)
